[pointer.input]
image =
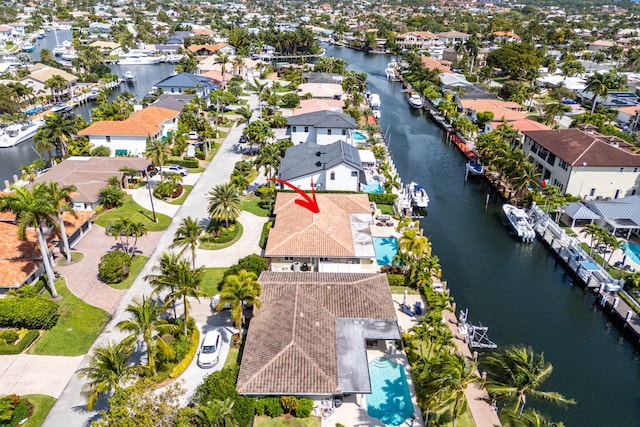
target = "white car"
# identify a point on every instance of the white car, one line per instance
(175, 169)
(215, 300)
(209, 353)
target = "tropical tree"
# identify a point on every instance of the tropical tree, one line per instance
(223, 59)
(157, 151)
(186, 283)
(61, 198)
(518, 372)
(55, 83)
(34, 208)
(144, 321)
(216, 413)
(238, 290)
(188, 236)
(552, 111)
(224, 203)
(595, 233)
(108, 370)
(162, 281)
(598, 85)
(124, 229)
(457, 375)
(58, 129)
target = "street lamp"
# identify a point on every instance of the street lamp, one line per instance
(155, 219)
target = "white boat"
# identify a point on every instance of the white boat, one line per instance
(519, 222)
(415, 100)
(138, 58)
(419, 196)
(69, 54)
(475, 168)
(16, 133)
(173, 58)
(374, 101)
(129, 76)
(28, 47)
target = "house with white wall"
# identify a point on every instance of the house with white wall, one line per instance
(321, 127)
(187, 82)
(129, 137)
(584, 163)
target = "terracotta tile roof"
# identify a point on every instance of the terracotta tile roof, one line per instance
(147, 121)
(578, 148)
(502, 110)
(522, 125)
(42, 73)
(314, 104)
(431, 63)
(291, 344)
(299, 232)
(631, 110)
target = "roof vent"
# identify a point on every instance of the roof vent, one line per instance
(318, 164)
(318, 153)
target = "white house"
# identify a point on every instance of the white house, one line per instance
(129, 137)
(584, 163)
(321, 127)
(453, 37)
(335, 166)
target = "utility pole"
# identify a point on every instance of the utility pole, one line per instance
(155, 219)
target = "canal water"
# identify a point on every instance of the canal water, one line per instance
(518, 290)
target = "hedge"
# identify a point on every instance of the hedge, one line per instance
(184, 363)
(114, 267)
(383, 199)
(265, 233)
(304, 408)
(221, 385)
(30, 313)
(187, 163)
(17, 348)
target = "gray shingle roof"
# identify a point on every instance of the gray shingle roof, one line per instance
(305, 159)
(323, 119)
(187, 80)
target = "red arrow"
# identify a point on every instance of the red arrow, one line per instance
(308, 202)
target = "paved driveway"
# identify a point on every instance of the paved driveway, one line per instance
(28, 374)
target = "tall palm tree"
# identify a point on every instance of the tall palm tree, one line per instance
(143, 323)
(186, 283)
(162, 281)
(157, 151)
(55, 83)
(58, 129)
(598, 85)
(518, 372)
(223, 59)
(61, 197)
(528, 418)
(216, 413)
(458, 373)
(108, 370)
(237, 291)
(33, 208)
(188, 236)
(224, 203)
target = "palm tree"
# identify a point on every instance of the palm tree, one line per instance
(163, 280)
(598, 85)
(595, 232)
(143, 323)
(518, 372)
(61, 197)
(157, 151)
(237, 291)
(216, 413)
(528, 418)
(58, 129)
(108, 370)
(223, 59)
(55, 83)
(125, 228)
(552, 110)
(186, 281)
(188, 235)
(458, 373)
(224, 202)
(33, 208)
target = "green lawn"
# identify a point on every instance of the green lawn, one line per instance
(136, 213)
(212, 276)
(215, 146)
(400, 290)
(250, 203)
(75, 257)
(42, 404)
(137, 264)
(211, 246)
(185, 193)
(386, 209)
(264, 421)
(78, 326)
(233, 358)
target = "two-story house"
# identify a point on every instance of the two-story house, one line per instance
(584, 163)
(187, 82)
(321, 127)
(451, 38)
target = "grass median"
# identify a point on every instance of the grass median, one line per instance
(130, 209)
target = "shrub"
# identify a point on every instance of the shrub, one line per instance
(184, 364)
(290, 100)
(265, 233)
(114, 267)
(260, 406)
(382, 199)
(396, 279)
(304, 408)
(243, 167)
(273, 407)
(31, 313)
(254, 263)
(18, 347)
(101, 151)
(289, 403)
(187, 163)
(164, 189)
(221, 385)
(200, 154)
(8, 336)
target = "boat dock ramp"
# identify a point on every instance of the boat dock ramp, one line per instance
(590, 274)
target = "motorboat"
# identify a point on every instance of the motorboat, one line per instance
(61, 109)
(41, 34)
(129, 76)
(475, 168)
(16, 133)
(28, 47)
(415, 100)
(173, 58)
(519, 222)
(69, 54)
(390, 71)
(419, 196)
(136, 57)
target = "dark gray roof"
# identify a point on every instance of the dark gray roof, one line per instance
(186, 80)
(321, 78)
(577, 210)
(323, 119)
(305, 159)
(175, 103)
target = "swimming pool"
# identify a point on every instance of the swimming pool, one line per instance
(632, 251)
(376, 187)
(359, 136)
(386, 248)
(390, 399)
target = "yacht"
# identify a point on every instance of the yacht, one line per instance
(69, 54)
(415, 100)
(419, 195)
(135, 57)
(28, 47)
(519, 222)
(16, 133)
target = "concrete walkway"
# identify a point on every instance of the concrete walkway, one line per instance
(29, 374)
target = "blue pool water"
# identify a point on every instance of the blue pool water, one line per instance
(386, 248)
(359, 136)
(632, 251)
(376, 187)
(590, 265)
(390, 399)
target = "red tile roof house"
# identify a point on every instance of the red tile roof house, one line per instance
(129, 137)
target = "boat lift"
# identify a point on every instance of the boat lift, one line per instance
(475, 336)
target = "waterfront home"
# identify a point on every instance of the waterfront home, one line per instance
(321, 127)
(421, 40)
(502, 110)
(321, 90)
(40, 73)
(129, 137)
(335, 166)
(451, 38)
(628, 116)
(90, 175)
(434, 64)
(315, 105)
(107, 48)
(584, 162)
(211, 49)
(6, 33)
(311, 334)
(194, 83)
(620, 216)
(336, 239)
(519, 125)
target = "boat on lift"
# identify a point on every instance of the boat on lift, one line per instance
(475, 168)
(415, 100)
(129, 76)
(519, 222)
(419, 196)
(28, 47)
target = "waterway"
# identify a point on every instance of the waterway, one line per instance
(519, 291)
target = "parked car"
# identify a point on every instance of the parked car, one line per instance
(243, 139)
(193, 135)
(215, 300)
(175, 169)
(209, 353)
